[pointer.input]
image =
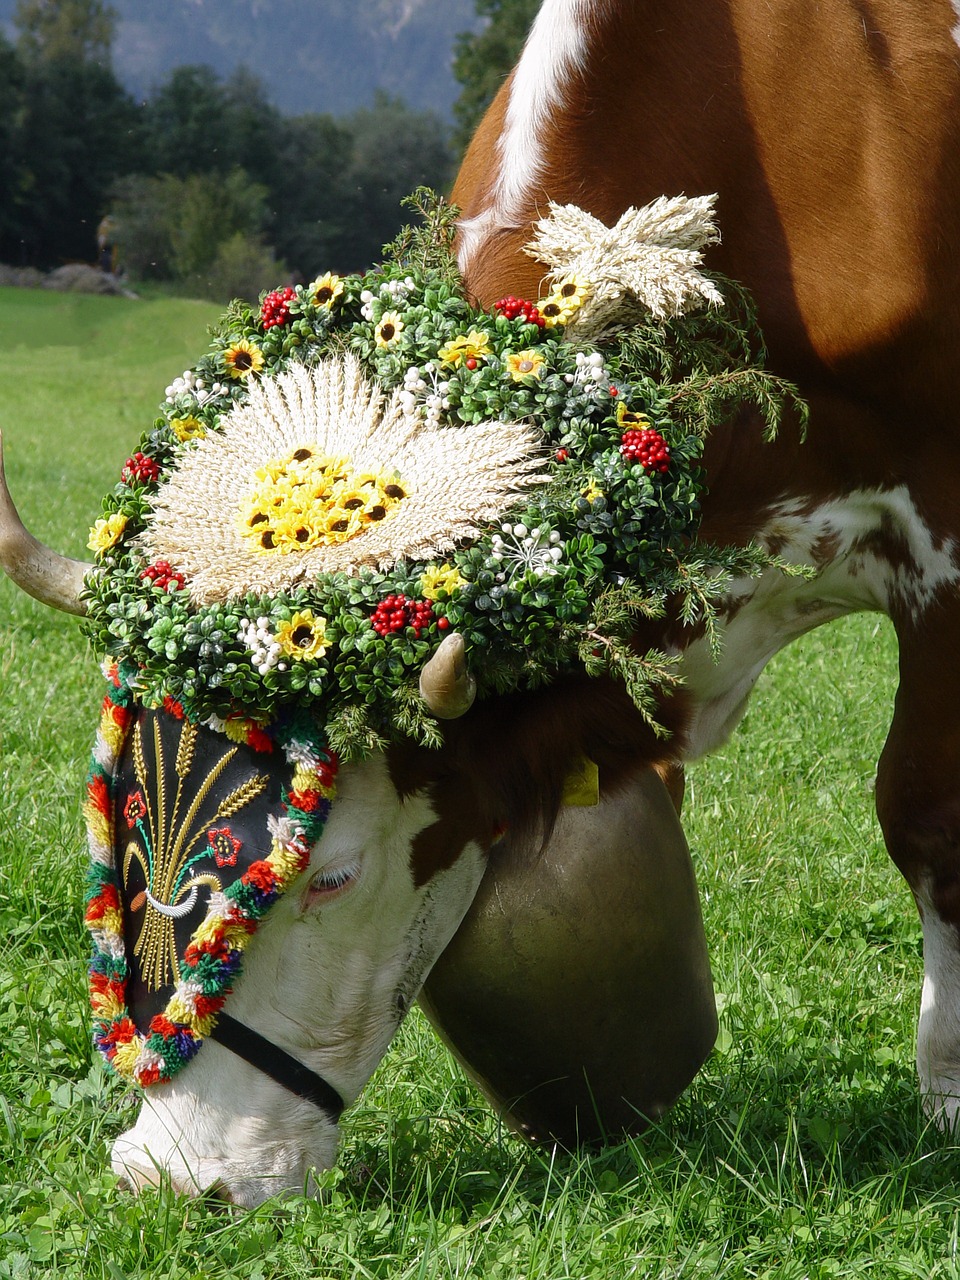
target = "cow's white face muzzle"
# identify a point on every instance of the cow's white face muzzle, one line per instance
(326, 980)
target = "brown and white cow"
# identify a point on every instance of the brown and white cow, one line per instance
(832, 135)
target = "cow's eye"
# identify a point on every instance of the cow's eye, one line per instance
(330, 883)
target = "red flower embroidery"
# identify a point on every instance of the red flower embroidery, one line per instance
(135, 809)
(225, 846)
(173, 708)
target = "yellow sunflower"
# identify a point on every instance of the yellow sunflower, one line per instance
(389, 329)
(243, 358)
(325, 290)
(304, 636)
(593, 491)
(437, 578)
(629, 418)
(565, 301)
(106, 533)
(524, 364)
(470, 346)
(189, 428)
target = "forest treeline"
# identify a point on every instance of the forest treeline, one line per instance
(207, 185)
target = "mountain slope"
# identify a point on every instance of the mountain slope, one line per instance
(313, 55)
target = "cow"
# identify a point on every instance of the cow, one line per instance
(832, 137)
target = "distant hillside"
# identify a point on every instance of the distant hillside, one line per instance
(313, 55)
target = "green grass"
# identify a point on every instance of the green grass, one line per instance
(799, 1152)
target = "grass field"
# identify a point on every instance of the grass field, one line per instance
(800, 1152)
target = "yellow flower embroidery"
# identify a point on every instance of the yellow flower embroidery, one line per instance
(107, 532)
(189, 428)
(389, 329)
(440, 577)
(304, 636)
(524, 364)
(471, 346)
(325, 290)
(243, 358)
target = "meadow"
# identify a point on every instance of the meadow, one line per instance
(800, 1152)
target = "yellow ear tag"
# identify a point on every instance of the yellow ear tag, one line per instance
(582, 785)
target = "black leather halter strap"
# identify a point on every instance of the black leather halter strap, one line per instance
(277, 1064)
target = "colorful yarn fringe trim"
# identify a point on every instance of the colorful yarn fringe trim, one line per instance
(212, 961)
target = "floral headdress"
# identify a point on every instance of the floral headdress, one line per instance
(367, 463)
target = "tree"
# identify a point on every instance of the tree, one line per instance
(482, 60)
(13, 177)
(70, 129)
(311, 209)
(185, 123)
(394, 150)
(203, 232)
(53, 30)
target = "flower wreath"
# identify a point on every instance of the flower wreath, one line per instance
(212, 960)
(367, 462)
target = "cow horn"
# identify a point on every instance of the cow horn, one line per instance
(446, 685)
(50, 578)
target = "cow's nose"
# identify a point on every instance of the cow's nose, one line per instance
(136, 1179)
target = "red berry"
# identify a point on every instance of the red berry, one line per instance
(396, 613)
(443, 624)
(471, 362)
(161, 574)
(513, 308)
(275, 308)
(561, 455)
(647, 447)
(139, 468)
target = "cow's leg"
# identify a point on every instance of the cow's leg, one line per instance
(918, 803)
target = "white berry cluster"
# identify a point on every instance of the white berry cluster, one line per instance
(518, 550)
(392, 292)
(262, 643)
(591, 373)
(428, 384)
(191, 385)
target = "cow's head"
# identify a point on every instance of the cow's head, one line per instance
(339, 958)
(327, 979)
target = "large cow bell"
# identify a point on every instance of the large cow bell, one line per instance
(577, 992)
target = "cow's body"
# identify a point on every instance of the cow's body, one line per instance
(832, 136)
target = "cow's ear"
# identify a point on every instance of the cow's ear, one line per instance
(521, 750)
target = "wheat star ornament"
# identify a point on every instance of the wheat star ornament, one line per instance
(319, 472)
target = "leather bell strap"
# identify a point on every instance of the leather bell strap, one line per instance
(277, 1064)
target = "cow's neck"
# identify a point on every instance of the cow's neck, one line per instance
(858, 293)
(714, 106)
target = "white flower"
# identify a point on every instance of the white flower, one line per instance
(261, 642)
